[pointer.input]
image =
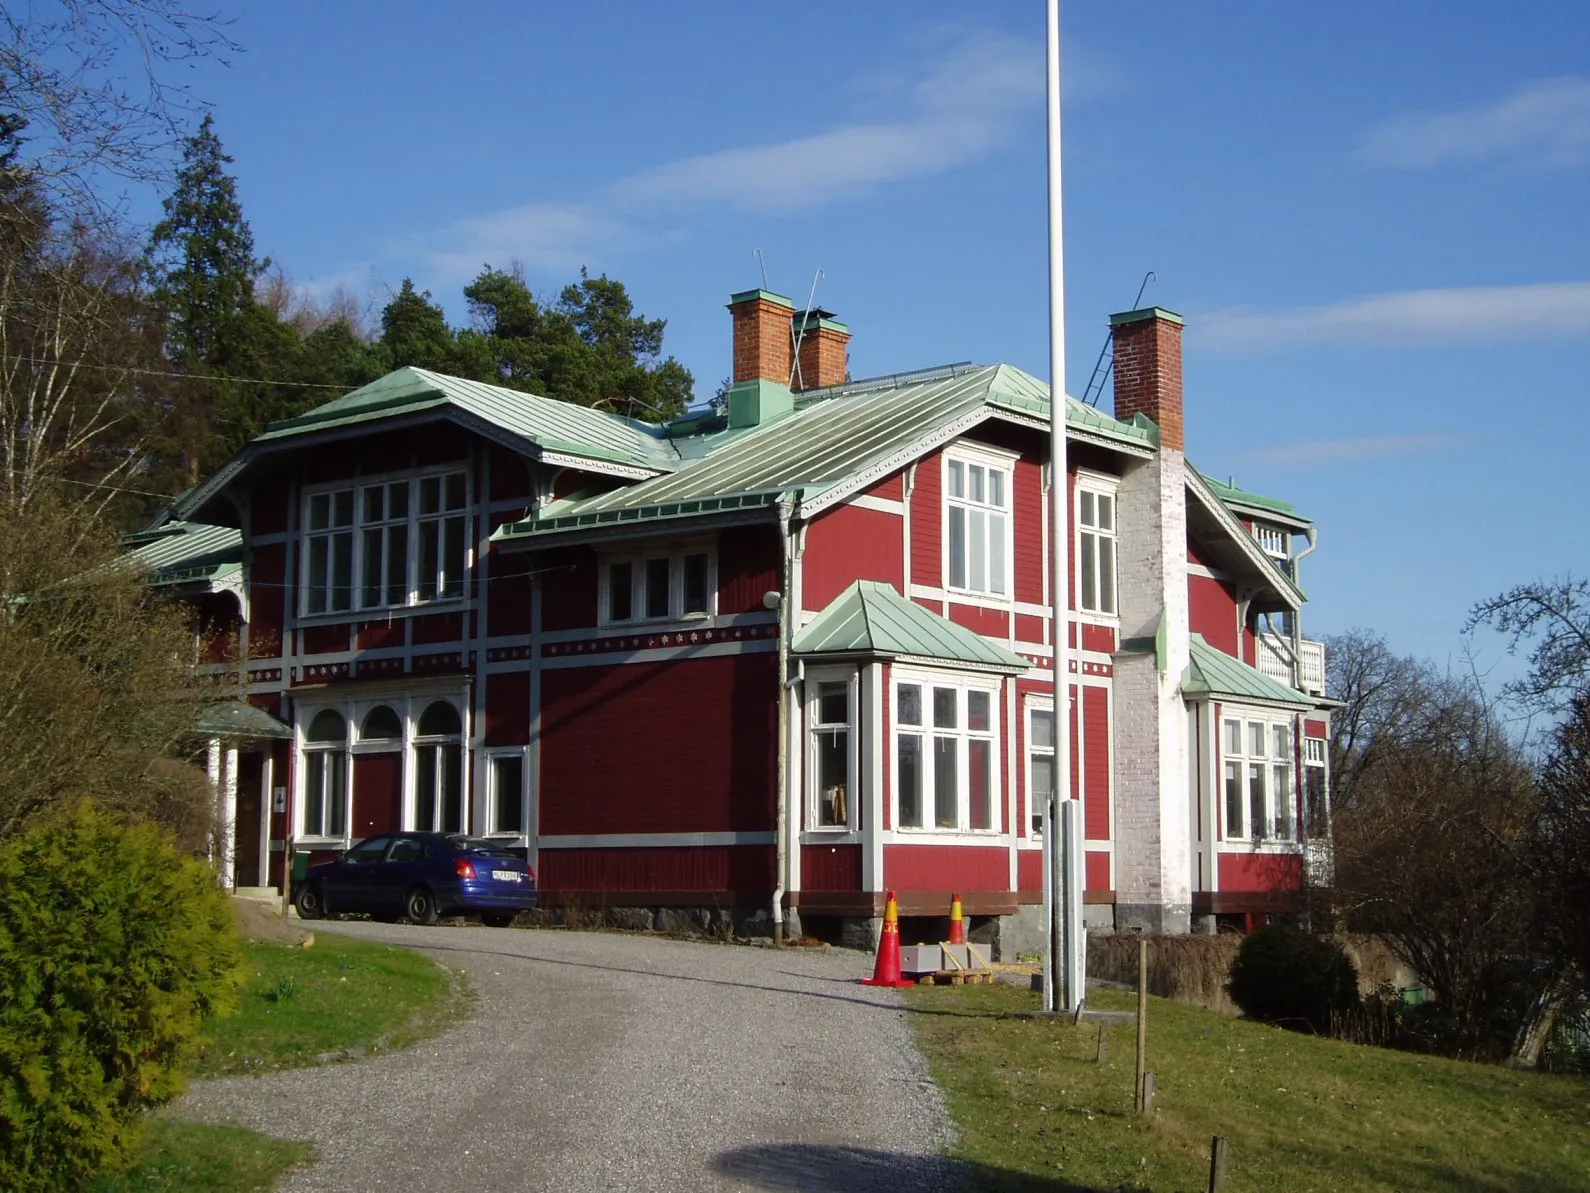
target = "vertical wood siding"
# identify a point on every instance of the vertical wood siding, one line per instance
(846, 544)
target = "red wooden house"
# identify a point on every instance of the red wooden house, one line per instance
(786, 654)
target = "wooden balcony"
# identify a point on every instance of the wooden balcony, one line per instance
(1275, 660)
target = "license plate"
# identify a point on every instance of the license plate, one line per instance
(505, 875)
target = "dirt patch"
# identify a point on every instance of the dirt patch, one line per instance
(259, 921)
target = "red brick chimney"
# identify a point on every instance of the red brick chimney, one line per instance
(824, 350)
(761, 336)
(1148, 371)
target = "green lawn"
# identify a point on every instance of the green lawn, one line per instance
(341, 995)
(1037, 1113)
(178, 1157)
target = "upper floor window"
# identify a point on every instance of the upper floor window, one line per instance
(945, 738)
(1095, 566)
(1258, 779)
(977, 522)
(659, 586)
(1272, 541)
(393, 543)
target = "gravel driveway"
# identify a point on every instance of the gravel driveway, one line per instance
(603, 1061)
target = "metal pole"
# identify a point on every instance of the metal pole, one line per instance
(1060, 965)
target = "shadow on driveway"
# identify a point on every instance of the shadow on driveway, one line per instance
(817, 1168)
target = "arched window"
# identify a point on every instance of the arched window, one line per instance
(326, 775)
(381, 724)
(439, 764)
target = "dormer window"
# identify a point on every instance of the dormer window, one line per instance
(1273, 542)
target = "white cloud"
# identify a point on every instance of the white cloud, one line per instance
(1544, 123)
(1472, 314)
(1337, 451)
(955, 112)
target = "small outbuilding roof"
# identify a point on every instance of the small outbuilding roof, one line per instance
(871, 618)
(1212, 672)
(238, 718)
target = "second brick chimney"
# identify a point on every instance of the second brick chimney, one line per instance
(1148, 371)
(824, 352)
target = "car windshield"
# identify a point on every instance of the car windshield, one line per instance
(479, 845)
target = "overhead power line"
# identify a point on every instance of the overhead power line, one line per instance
(84, 364)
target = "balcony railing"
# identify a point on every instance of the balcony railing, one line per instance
(1275, 660)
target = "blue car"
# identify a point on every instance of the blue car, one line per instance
(422, 876)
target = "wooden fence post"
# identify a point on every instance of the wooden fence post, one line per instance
(1217, 1164)
(1142, 1021)
(1104, 1043)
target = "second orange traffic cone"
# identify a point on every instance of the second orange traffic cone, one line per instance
(886, 971)
(957, 923)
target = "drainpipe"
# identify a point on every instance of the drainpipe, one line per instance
(780, 825)
(1297, 617)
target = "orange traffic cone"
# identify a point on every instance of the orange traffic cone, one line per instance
(957, 924)
(886, 972)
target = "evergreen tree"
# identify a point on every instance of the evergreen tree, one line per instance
(414, 331)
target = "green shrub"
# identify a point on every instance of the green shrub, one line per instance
(114, 948)
(1290, 978)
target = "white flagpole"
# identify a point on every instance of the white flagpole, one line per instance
(1062, 910)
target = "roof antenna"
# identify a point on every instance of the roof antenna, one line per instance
(760, 260)
(1106, 362)
(794, 341)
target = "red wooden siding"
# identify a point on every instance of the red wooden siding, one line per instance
(1096, 870)
(946, 868)
(323, 639)
(830, 867)
(1260, 872)
(441, 443)
(743, 870)
(508, 594)
(568, 591)
(268, 508)
(750, 565)
(1099, 638)
(927, 523)
(1096, 795)
(1028, 552)
(508, 709)
(1029, 870)
(1029, 628)
(378, 635)
(994, 623)
(267, 601)
(684, 746)
(890, 488)
(510, 476)
(437, 627)
(850, 543)
(1314, 729)
(377, 793)
(1212, 612)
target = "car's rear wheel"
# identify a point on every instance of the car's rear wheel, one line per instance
(311, 903)
(420, 907)
(496, 919)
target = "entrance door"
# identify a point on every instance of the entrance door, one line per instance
(245, 829)
(377, 794)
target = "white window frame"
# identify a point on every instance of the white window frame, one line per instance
(1271, 767)
(677, 557)
(321, 600)
(816, 680)
(1316, 760)
(342, 751)
(495, 795)
(419, 743)
(1036, 756)
(1090, 539)
(992, 463)
(962, 734)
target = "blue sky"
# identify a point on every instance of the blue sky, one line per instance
(1373, 218)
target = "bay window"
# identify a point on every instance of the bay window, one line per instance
(829, 706)
(385, 544)
(977, 525)
(1257, 773)
(1095, 564)
(945, 774)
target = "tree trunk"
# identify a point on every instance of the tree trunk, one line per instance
(1535, 1030)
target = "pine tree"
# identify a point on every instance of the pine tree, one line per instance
(414, 331)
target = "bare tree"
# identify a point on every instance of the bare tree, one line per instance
(1553, 617)
(92, 79)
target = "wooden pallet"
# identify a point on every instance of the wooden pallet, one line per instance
(957, 977)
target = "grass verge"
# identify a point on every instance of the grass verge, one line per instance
(1037, 1113)
(342, 997)
(178, 1157)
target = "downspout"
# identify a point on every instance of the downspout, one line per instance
(780, 825)
(1297, 617)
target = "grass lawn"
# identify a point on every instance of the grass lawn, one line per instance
(178, 1157)
(340, 995)
(1037, 1113)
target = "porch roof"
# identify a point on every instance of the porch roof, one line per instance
(1212, 672)
(871, 618)
(187, 552)
(238, 718)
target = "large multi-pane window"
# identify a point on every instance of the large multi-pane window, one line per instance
(439, 770)
(385, 544)
(326, 775)
(977, 521)
(945, 774)
(1258, 761)
(832, 785)
(1096, 551)
(667, 586)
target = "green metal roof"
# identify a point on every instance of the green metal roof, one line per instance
(1232, 495)
(238, 718)
(871, 618)
(835, 435)
(551, 424)
(1212, 672)
(185, 552)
